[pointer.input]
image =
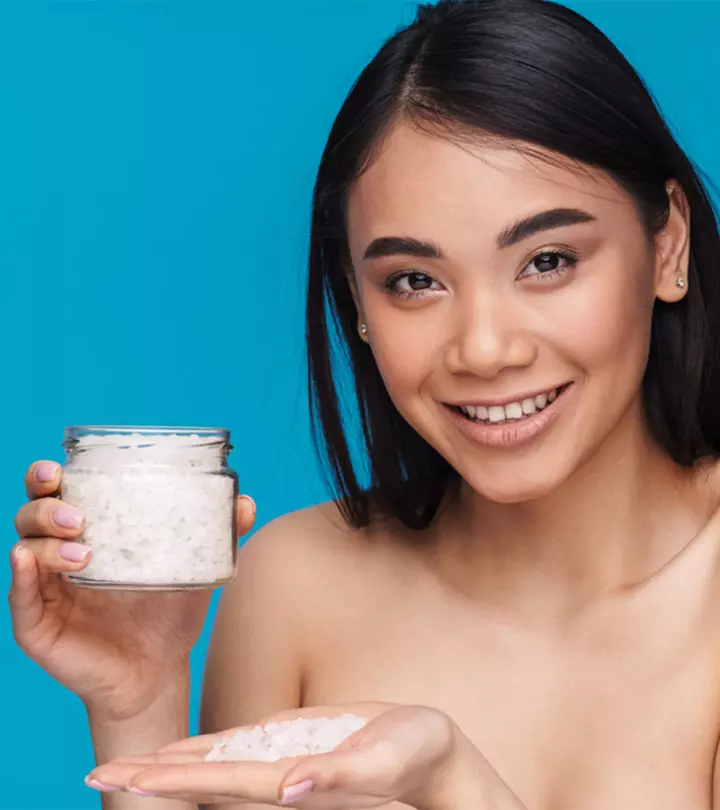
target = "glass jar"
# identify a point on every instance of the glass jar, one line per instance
(159, 504)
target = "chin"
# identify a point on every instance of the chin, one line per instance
(511, 488)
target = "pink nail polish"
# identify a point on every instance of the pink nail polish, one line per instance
(45, 472)
(294, 792)
(73, 552)
(139, 792)
(95, 785)
(67, 518)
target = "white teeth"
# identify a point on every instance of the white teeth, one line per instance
(513, 410)
(496, 413)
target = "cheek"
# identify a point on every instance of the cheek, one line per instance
(403, 357)
(606, 325)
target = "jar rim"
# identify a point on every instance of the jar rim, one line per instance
(85, 437)
(156, 429)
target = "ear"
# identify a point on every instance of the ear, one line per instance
(672, 247)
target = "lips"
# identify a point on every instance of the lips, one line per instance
(510, 432)
(520, 408)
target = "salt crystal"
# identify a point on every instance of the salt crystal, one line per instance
(299, 737)
(159, 508)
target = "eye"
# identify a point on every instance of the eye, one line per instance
(410, 284)
(550, 264)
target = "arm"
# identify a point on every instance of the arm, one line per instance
(160, 724)
(253, 667)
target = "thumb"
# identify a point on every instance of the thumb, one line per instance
(26, 603)
(371, 771)
(245, 512)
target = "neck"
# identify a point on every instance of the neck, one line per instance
(617, 521)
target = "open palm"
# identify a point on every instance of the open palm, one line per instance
(402, 754)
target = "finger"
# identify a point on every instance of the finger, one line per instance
(26, 604)
(377, 760)
(244, 781)
(49, 517)
(57, 556)
(42, 479)
(373, 771)
(202, 799)
(245, 512)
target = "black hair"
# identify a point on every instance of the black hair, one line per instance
(538, 73)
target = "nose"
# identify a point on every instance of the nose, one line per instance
(489, 335)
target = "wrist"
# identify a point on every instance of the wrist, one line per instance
(126, 709)
(162, 719)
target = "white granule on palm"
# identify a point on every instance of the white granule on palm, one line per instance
(289, 738)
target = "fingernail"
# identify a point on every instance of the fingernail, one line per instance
(139, 792)
(74, 552)
(294, 792)
(67, 518)
(95, 785)
(45, 472)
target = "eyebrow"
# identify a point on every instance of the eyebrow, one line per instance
(524, 228)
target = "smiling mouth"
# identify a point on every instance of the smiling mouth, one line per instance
(512, 412)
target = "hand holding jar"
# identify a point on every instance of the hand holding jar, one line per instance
(155, 510)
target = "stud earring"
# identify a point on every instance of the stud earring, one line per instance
(680, 282)
(363, 330)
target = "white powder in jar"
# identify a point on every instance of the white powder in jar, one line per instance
(159, 509)
(289, 738)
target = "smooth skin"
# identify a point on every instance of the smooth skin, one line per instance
(68, 630)
(409, 753)
(563, 610)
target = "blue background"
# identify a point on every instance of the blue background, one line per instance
(156, 169)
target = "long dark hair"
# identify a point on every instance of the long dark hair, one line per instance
(539, 73)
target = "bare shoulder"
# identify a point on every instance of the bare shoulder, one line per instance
(316, 547)
(294, 575)
(256, 657)
(317, 525)
(294, 545)
(309, 570)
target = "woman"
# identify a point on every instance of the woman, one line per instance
(523, 565)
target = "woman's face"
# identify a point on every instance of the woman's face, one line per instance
(541, 329)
